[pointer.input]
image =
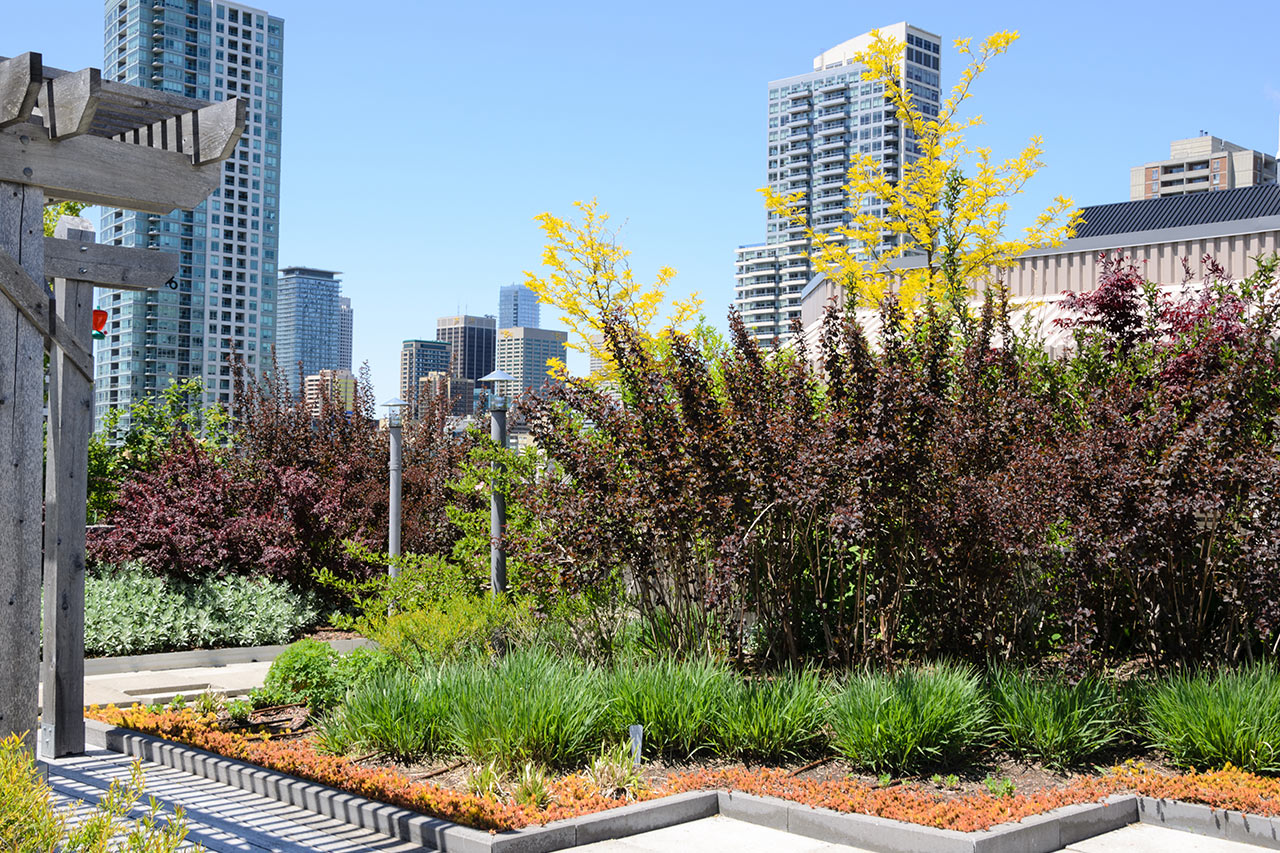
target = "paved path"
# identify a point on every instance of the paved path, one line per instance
(221, 818)
(161, 685)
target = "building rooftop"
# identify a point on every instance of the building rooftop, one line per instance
(1203, 208)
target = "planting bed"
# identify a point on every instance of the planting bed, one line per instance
(909, 807)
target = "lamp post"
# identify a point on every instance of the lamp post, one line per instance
(395, 419)
(498, 501)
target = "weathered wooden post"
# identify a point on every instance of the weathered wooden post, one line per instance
(71, 136)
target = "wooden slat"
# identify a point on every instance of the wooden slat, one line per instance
(21, 434)
(207, 135)
(69, 102)
(122, 267)
(95, 170)
(19, 84)
(32, 301)
(65, 489)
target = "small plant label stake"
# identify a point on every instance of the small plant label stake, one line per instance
(637, 743)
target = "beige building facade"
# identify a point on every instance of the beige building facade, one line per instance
(1201, 164)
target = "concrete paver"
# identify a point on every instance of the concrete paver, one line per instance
(1142, 838)
(150, 686)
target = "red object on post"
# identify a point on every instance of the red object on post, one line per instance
(99, 323)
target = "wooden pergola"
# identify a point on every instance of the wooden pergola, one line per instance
(70, 136)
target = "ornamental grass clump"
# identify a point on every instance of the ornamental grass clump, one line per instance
(679, 703)
(529, 707)
(1053, 721)
(396, 713)
(1209, 720)
(775, 718)
(914, 719)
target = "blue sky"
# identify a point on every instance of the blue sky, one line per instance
(420, 139)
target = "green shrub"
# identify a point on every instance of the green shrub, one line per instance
(402, 715)
(914, 719)
(311, 672)
(1053, 721)
(423, 582)
(528, 707)
(774, 718)
(679, 703)
(1207, 720)
(131, 611)
(464, 627)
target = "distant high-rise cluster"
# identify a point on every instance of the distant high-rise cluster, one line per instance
(816, 122)
(221, 305)
(309, 324)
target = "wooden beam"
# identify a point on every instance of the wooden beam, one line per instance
(123, 267)
(19, 84)
(21, 437)
(70, 421)
(69, 102)
(207, 135)
(96, 170)
(32, 301)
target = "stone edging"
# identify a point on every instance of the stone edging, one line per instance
(1041, 833)
(200, 658)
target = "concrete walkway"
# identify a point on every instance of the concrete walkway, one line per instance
(161, 685)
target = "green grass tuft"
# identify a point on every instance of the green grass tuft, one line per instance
(1053, 721)
(1208, 720)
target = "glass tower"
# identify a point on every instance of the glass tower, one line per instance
(309, 324)
(517, 306)
(816, 122)
(222, 302)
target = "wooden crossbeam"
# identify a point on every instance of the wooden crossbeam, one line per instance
(208, 134)
(68, 102)
(32, 301)
(96, 170)
(123, 267)
(19, 85)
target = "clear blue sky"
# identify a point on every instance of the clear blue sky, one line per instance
(420, 139)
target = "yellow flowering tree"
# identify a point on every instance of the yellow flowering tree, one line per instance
(948, 206)
(588, 277)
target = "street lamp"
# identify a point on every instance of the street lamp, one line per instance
(395, 419)
(498, 503)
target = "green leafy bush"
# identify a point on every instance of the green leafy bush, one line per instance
(131, 611)
(774, 718)
(679, 703)
(464, 627)
(530, 706)
(913, 719)
(423, 582)
(311, 672)
(1211, 719)
(1053, 721)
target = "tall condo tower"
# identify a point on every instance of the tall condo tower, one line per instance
(222, 302)
(309, 324)
(816, 122)
(346, 324)
(517, 306)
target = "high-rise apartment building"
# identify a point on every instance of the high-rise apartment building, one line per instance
(518, 306)
(473, 341)
(308, 323)
(222, 302)
(1201, 164)
(346, 324)
(338, 385)
(417, 360)
(524, 353)
(815, 122)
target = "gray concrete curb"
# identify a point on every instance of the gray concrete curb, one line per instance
(1041, 833)
(200, 658)
(1206, 820)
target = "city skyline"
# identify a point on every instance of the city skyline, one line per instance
(680, 170)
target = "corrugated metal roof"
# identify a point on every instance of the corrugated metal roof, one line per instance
(1199, 208)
